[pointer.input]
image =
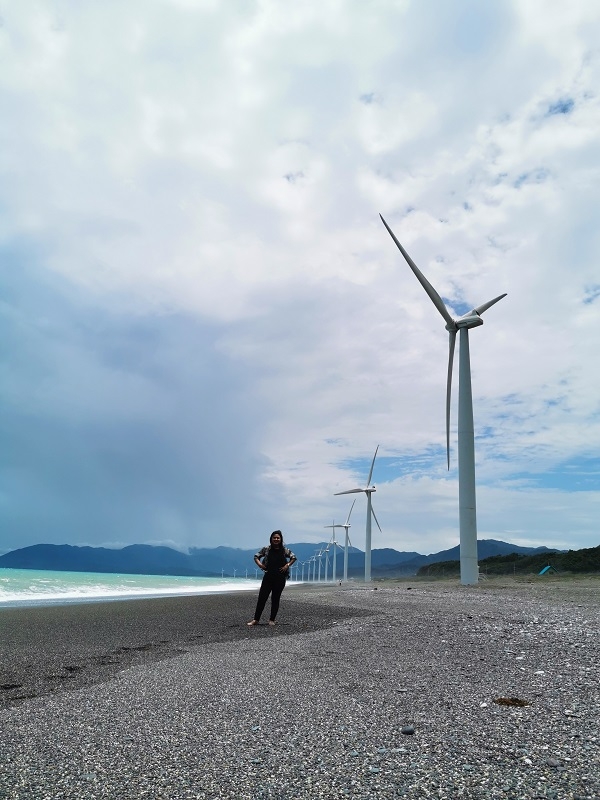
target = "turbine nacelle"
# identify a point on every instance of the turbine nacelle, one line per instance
(470, 320)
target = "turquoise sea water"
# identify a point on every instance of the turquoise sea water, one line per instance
(26, 587)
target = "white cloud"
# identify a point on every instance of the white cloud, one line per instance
(207, 191)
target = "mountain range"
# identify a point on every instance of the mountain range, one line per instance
(143, 559)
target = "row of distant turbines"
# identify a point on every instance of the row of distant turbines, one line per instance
(469, 570)
(323, 553)
(310, 564)
(335, 545)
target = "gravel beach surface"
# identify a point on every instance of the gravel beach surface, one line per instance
(47, 649)
(409, 690)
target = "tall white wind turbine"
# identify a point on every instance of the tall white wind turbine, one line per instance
(469, 570)
(368, 490)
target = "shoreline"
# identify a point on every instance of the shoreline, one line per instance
(23, 587)
(116, 598)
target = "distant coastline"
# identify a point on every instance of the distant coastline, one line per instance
(228, 562)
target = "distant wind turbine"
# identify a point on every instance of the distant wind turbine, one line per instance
(320, 559)
(347, 541)
(469, 570)
(368, 490)
(335, 544)
(345, 526)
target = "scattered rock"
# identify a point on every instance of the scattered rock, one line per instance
(511, 701)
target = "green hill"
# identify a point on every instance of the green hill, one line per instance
(576, 561)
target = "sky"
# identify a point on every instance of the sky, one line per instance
(205, 329)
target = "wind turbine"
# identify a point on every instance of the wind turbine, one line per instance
(347, 540)
(368, 490)
(335, 545)
(345, 526)
(469, 570)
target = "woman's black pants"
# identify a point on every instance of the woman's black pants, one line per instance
(271, 585)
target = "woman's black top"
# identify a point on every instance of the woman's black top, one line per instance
(276, 560)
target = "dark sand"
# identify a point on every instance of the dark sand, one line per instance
(49, 649)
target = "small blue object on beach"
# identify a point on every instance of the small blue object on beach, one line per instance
(408, 730)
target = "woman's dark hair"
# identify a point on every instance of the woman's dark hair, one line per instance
(278, 533)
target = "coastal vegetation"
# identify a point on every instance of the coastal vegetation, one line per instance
(586, 560)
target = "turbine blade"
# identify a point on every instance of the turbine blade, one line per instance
(350, 491)
(436, 299)
(372, 465)
(449, 391)
(480, 309)
(351, 507)
(375, 518)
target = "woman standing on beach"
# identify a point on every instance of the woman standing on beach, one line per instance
(275, 561)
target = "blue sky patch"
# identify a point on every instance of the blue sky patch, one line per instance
(368, 99)
(563, 106)
(535, 176)
(292, 177)
(390, 468)
(458, 306)
(577, 475)
(591, 293)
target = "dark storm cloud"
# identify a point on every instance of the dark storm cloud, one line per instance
(118, 428)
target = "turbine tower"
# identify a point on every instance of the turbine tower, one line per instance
(368, 490)
(469, 570)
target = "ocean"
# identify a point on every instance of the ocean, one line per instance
(27, 587)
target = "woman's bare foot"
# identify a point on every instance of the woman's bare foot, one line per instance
(272, 623)
(252, 622)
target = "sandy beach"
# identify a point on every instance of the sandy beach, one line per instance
(366, 692)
